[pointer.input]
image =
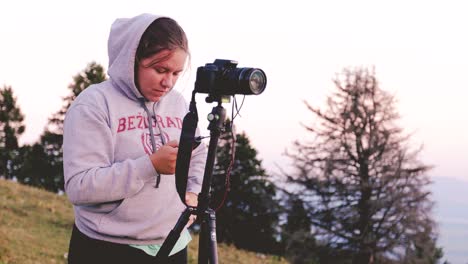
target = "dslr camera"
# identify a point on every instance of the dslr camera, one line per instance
(223, 78)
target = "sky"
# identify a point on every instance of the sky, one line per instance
(418, 48)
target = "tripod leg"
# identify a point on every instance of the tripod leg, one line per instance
(173, 236)
(207, 248)
(203, 242)
(212, 238)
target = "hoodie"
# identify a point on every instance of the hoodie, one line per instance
(109, 177)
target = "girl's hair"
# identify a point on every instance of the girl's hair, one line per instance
(163, 34)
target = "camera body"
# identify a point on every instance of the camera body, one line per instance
(223, 78)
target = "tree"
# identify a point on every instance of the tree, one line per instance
(362, 184)
(93, 73)
(250, 213)
(299, 243)
(297, 219)
(39, 170)
(11, 127)
(51, 174)
(422, 248)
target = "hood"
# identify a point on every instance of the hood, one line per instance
(123, 43)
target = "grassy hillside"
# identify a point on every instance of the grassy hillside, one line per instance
(35, 227)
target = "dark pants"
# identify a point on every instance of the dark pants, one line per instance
(85, 250)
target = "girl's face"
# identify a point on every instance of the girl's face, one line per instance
(156, 75)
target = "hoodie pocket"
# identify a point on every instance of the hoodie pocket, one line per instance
(135, 216)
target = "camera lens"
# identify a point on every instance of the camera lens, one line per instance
(252, 81)
(257, 81)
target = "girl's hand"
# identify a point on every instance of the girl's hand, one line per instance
(191, 199)
(164, 159)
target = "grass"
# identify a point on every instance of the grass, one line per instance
(35, 227)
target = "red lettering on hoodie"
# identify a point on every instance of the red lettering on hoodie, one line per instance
(140, 121)
(121, 125)
(160, 121)
(179, 123)
(130, 123)
(170, 123)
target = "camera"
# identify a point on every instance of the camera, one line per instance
(222, 77)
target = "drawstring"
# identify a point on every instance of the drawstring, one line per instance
(153, 144)
(163, 140)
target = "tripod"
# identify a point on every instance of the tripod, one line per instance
(207, 251)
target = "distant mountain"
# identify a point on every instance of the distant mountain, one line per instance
(451, 213)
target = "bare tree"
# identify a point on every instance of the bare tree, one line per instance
(364, 188)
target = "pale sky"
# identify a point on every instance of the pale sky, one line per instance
(419, 50)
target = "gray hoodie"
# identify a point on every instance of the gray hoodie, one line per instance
(109, 177)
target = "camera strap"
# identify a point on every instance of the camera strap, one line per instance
(186, 145)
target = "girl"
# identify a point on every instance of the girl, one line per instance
(120, 148)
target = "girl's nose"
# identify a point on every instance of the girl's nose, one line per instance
(168, 81)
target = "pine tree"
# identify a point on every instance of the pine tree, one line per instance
(299, 243)
(47, 162)
(93, 73)
(363, 186)
(11, 127)
(36, 164)
(249, 215)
